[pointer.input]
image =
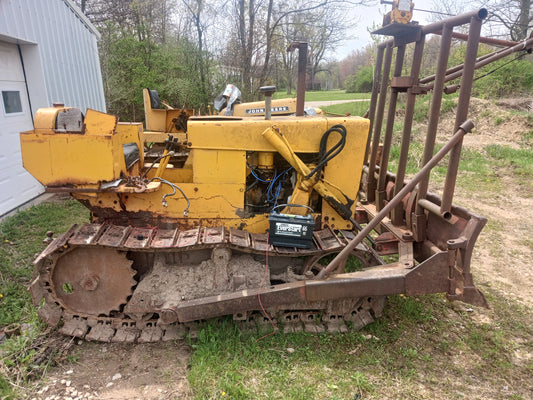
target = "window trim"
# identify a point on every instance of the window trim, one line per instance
(12, 114)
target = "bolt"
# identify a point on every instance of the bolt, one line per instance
(168, 316)
(90, 283)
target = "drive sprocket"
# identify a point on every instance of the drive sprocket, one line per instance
(92, 281)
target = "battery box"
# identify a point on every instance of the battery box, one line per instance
(287, 230)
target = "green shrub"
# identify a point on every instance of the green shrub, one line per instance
(501, 78)
(360, 82)
(350, 84)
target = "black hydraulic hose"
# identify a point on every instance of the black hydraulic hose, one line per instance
(155, 162)
(325, 155)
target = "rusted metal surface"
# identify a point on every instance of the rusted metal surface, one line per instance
(467, 81)
(397, 213)
(92, 280)
(85, 317)
(387, 141)
(302, 68)
(92, 269)
(377, 123)
(386, 244)
(465, 127)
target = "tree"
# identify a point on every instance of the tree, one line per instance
(508, 18)
(263, 27)
(515, 15)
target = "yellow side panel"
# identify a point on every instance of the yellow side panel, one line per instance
(257, 108)
(344, 171)
(99, 124)
(58, 159)
(131, 132)
(155, 119)
(303, 134)
(175, 175)
(223, 166)
(207, 201)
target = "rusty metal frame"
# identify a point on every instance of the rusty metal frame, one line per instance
(405, 209)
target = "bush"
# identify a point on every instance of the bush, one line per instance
(360, 82)
(350, 84)
(514, 79)
(498, 79)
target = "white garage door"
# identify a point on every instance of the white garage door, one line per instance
(16, 185)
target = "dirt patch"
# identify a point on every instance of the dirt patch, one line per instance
(493, 123)
(119, 371)
(503, 253)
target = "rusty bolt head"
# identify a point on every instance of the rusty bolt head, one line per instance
(407, 236)
(168, 316)
(90, 282)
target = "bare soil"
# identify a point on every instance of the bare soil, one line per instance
(502, 259)
(504, 251)
(118, 371)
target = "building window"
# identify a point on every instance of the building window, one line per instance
(12, 103)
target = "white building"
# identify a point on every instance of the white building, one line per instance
(48, 53)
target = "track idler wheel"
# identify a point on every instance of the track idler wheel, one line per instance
(92, 281)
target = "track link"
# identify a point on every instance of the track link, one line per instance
(118, 327)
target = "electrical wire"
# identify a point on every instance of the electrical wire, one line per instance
(273, 194)
(500, 66)
(259, 295)
(257, 177)
(174, 187)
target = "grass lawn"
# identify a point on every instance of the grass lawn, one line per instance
(356, 108)
(324, 95)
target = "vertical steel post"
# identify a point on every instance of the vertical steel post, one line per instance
(378, 122)
(462, 111)
(302, 69)
(387, 142)
(434, 113)
(376, 79)
(302, 72)
(397, 212)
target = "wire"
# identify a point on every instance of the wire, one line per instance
(174, 187)
(295, 205)
(273, 194)
(325, 155)
(501, 66)
(259, 296)
(256, 177)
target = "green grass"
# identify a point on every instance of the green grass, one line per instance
(323, 95)
(479, 170)
(21, 239)
(423, 104)
(356, 108)
(519, 161)
(410, 346)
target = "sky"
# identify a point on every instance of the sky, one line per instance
(364, 17)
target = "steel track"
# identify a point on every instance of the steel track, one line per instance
(118, 327)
